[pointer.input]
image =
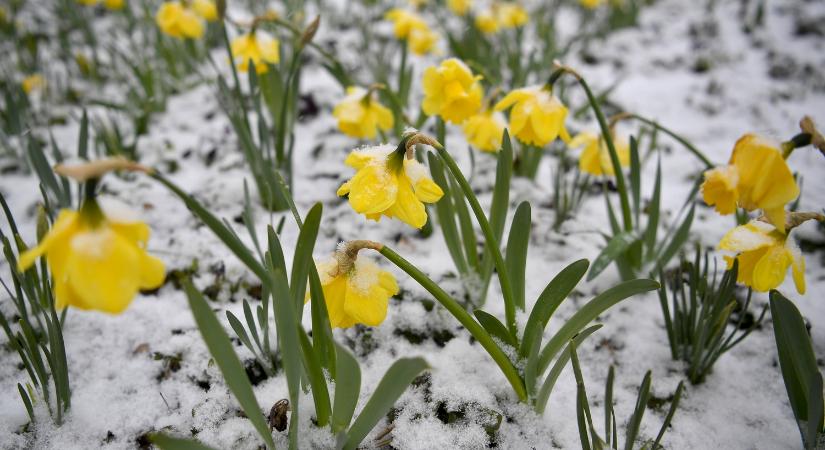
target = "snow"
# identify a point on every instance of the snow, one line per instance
(762, 82)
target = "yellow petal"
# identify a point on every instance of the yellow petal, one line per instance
(373, 189)
(152, 271)
(797, 266)
(427, 190)
(407, 207)
(770, 270)
(65, 225)
(719, 188)
(749, 237)
(334, 293)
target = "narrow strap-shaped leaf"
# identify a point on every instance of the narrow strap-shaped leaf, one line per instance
(26, 401)
(166, 442)
(303, 256)
(608, 404)
(347, 389)
(220, 347)
(674, 404)
(516, 253)
(589, 312)
(239, 330)
(322, 339)
(391, 386)
(276, 252)
(501, 190)
(653, 212)
(553, 375)
(638, 413)
(446, 217)
(468, 234)
(312, 367)
(815, 412)
(250, 322)
(676, 241)
(494, 326)
(635, 178)
(549, 300)
(617, 245)
(83, 137)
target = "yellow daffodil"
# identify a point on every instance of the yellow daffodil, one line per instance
(486, 22)
(177, 20)
(404, 22)
(756, 177)
(259, 47)
(114, 5)
(386, 183)
(511, 15)
(359, 115)
(451, 91)
(595, 158)
(32, 83)
(459, 7)
(485, 130)
(97, 257)
(422, 40)
(537, 117)
(357, 294)
(88, 2)
(591, 4)
(206, 9)
(764, 254)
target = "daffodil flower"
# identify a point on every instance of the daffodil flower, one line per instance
(178, 20)
(451, 91)
(485, 130)
(595, 158)
(114, 5)
(459, 7)
(537, 116)
(409, 26)
(359, 115)
(756, 177)
(259, 47)
(386, 183)
(206, 9)
(97, 257)
(32, 83)
(764, 255)
(355, 291)
(486, 22)
(591, 4)
(511, 15)
(422, 40)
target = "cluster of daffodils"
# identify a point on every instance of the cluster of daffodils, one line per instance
(355, 289)
(113, 5)
(757, 177)
(390, 182)
(501, 16)
(185, 19)
(410, 27)
(97, 254)
(257, 47)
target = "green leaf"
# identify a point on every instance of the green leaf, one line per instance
(318, 384)
(347, 389)
(220, 347)
(674, 404)
(615, 247)
(83, 137)
(446, 215)
(501, 191)
(239, 330)
(635, 177)
(516, 253)
(391, 386)
(796, 355)
(468, 234)
(547, 387)
(553, 295)
(589, 312)
(638, 412)
(495, 328)
(303, 256)
(166, 442)
(653, 212)
(815, 413)
(322, 339)
(26, 401)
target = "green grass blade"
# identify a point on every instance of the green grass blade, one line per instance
(391, 386)
(653, 212)
(303, 256)
(446, 217)
(501, 191)
(220, 347)
(617, 245)
(516, 253)
(26, 401)
(638, 413)
(547, 387)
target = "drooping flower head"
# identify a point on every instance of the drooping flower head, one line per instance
(178, 20)
(764, 255)
(360, 115)
(451, 91)
(355, 289)
(537, 116)
(485, 130)
(756, 177)
(409, 26)
(388, 183)
(97, 256)
(595, 158)
(257, 46)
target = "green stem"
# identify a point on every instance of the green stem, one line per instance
(489, 237)
(476, 330)
(675, 136)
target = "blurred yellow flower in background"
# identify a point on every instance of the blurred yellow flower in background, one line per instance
(259, 47)
(756, 177)
(114, 4)
(404, 22)
(206, 9)
(179, 21)
(359, 115)
(98, 258)
(764, 255)
(459, 7)
(359, 293)
(422, 40)
(32, 83)
(486, 22)
(591, 4)
(511, 15)
(88, 2)
(451, 91)
(386, 183)
(537, 116)
(595, 158)
(485, 130)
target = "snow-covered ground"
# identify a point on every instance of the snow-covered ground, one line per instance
(694, 71)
